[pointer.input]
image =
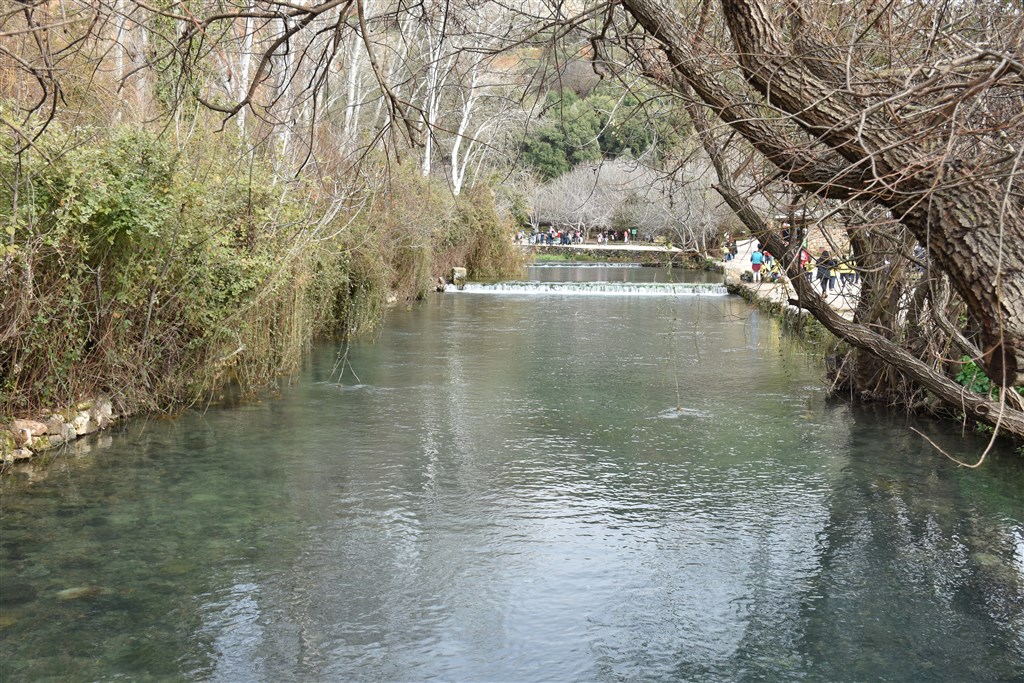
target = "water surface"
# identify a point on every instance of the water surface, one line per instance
(524, 488)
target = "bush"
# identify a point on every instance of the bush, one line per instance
(129, 273)
(131, 277)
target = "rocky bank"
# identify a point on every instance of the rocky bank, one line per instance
(24, 439)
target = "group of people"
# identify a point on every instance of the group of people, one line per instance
(764, 265)
(575, 236)
(552, 236)
(832, 274)
(729, 248)
(624, 236)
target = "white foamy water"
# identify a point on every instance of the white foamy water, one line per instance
(595, 288)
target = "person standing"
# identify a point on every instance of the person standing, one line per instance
(756, 261)
(845, 269)
(825, 265)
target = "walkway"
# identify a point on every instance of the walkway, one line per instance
(614, 246)
(782, 291)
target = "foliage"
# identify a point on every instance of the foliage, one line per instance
(973, 378)
(139, 281)
(609, 123)
(490, 253)
(157, 275)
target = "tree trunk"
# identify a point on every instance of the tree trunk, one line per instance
(971, 226)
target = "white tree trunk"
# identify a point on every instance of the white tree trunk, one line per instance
(460, 163)
(244, 64)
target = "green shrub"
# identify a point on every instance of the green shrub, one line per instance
(973, 378)
(158, 275)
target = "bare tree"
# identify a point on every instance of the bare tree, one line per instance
(625, 193)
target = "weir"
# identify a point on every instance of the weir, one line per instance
(596, 288)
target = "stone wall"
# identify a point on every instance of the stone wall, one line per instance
(652, 257)
(24, 439)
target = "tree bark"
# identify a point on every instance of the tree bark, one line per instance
(972, 227)
(860, 336)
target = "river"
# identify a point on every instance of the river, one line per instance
(524, 485)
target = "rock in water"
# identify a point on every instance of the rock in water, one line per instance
(78, 592)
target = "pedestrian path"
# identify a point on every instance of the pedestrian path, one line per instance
(613, 246)
(844, 300)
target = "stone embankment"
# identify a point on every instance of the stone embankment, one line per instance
(650, 254)
(24, 439)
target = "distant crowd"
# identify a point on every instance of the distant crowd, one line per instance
(552, 236)
(575, 236)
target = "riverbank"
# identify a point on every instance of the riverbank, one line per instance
(26, 439)
(776, 298)
(779, 293)
(158, 292)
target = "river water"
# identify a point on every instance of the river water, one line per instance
(524, 486)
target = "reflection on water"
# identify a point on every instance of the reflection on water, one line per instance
(519, 489)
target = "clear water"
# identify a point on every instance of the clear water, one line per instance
(523, 488)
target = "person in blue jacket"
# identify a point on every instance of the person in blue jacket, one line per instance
(756, 261)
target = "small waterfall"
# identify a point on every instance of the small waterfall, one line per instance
(595, 288)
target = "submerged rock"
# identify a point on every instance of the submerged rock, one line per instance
(987, 560)
(79, 592)
(15, 594)
(177, 567)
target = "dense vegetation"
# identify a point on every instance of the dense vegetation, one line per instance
(610, 122)
(338, 142)
(157, 275)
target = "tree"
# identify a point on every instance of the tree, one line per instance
(625, 193)
(903, 117)
(612, 121)
(898, 122)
